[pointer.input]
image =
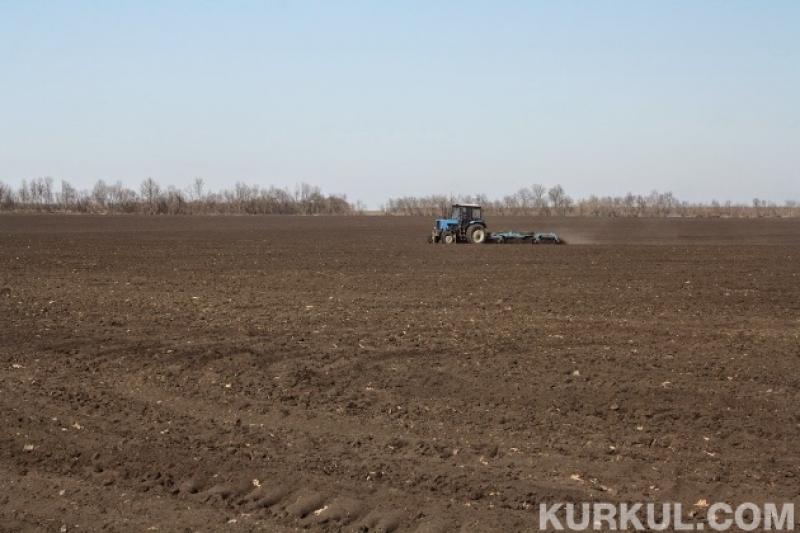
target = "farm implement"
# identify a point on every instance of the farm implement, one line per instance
(467, 225)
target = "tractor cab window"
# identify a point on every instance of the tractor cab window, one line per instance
(463, 212)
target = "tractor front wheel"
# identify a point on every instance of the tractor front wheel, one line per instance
(449, 238)
(477, 234)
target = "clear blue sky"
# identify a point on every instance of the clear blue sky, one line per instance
(378, 99)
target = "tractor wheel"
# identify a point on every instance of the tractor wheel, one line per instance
(477, 234)
(449, 238)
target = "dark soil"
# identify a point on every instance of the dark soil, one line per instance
(256, 373)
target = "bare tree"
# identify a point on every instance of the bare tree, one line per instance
(197, 189)
(37, 194)
(24, 193)
(114, 194)
(68, 197)
(559, 199)
(150, 193)
(6, 196)
(126, 198)
(47, 190)
(539, 194)
(176, 204)
(100, 193)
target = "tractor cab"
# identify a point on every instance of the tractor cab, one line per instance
(466, 213)
(465, 224)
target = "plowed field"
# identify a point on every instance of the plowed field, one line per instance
(274, 374)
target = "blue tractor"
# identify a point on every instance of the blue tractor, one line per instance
(467, 225)
(464, 225)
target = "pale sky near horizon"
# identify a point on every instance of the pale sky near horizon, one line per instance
(379, 99)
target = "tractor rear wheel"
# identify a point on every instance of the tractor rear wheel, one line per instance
(477, 234)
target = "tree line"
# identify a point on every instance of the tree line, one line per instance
(539, 200)
(41, 194)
